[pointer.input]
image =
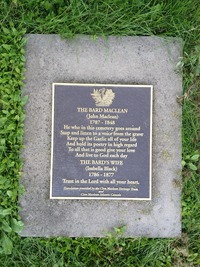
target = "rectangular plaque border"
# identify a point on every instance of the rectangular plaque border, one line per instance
(150, 156)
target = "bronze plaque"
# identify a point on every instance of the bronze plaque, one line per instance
(101, 141)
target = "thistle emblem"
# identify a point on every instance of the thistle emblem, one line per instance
(103, 97)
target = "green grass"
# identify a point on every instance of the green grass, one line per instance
(177, 18)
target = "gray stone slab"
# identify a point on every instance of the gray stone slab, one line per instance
(125, 60)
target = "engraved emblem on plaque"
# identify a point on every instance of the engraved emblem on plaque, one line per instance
(103, 97)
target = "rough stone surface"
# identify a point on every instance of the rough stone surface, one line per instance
(122, 60)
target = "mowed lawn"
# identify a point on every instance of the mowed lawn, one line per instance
(176, 18)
